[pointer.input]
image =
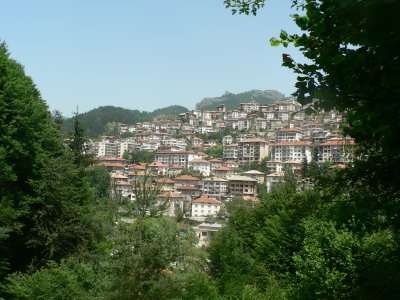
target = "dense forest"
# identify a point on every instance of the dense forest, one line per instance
(95, 121)
(62, 236)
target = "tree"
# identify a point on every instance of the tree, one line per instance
(44, 196)
(99, 180)
(141, 156)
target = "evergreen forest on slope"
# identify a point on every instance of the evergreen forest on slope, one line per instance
(95, 120)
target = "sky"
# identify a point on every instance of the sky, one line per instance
(145, 54)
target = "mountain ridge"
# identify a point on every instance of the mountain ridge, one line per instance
(232, 101)
(94, 121)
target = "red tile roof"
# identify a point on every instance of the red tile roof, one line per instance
(187, 188)
(223, 169)
(186, 178)
(207, 200)
(338, 142)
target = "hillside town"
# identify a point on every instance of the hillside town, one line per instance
(202, 159)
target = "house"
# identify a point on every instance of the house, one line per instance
(205, 206)
(123, 188)
(293, 151)
(276, 166)
(230, 151)
(249, 107)
(274, 179)
(231, 164)
(201, 165)
(242, 185)
(167, 184)
(157, 168)
(223, 172)
(186, 180)
(215, 163)
(227, 139)
(175, 170)
(114, 167)
(189, 191)
(257, 175)
(336, 151)
(252, 150)
(288, 134)
(215, 187)
(118, 177)
(175, 158)
(205, 231)
(175, 202)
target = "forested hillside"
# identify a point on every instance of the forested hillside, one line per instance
(95, 120)
(232, 101)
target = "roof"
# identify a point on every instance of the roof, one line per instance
(176, 167)
(207, 200)
(215, 179)
(186, 178)
(174, 152)
(291, 143)
(215, 160)
(164, 180)
(172, 195)
(115, 165)
(187, 188)
(112, 158)
(240, 178)
(156, 164)
(253, 172)
(277, 174)
(209, 225)
(223, 169)
(338, 142)
(289, 130)
(253, 141)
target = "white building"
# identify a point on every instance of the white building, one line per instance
(274, 179)
(176, 158)
(201, 165)
(205, 206)
(294, 151)
(205, 231)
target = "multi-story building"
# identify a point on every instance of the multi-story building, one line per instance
(293, 151)
(274, 179)
(230, 151)
(257, 175)
(249, 107)
(175, 158)
(277, 166)
(215, 186)
(205, 206)
(288, 134)
(242, 186)
(201, 165)
(336, 151)
(252, 150)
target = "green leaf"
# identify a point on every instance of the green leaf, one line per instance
(274, 42)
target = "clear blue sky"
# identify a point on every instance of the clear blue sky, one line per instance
(144, 54)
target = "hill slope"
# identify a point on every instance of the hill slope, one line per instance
(232, 101)
(95, 120)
